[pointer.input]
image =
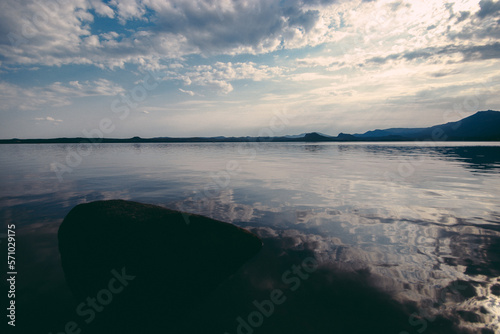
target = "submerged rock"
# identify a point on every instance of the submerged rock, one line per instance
(135, 267)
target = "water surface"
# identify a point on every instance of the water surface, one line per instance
(420, 218)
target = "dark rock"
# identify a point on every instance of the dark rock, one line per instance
(464, 288)
(495, 289)
(172, 260)
(469, 316)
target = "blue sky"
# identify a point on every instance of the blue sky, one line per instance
(206, 67)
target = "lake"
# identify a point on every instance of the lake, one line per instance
(407, 235)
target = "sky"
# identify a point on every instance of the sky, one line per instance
(180, 68)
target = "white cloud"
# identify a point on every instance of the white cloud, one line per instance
(100, 87)
(310, 77)
(55, 95)
(61, 34)
(48, 119)
(220, 75)
(129, 9)
(188, 92)
(316, 61)
(348, 55)
(108, 36)
(102, 9)
(180, 28)
(92, 42)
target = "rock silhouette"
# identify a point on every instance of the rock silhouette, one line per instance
(135, 267)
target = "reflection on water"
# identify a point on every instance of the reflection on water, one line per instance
(422, 220)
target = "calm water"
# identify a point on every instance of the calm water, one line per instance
(419, 220)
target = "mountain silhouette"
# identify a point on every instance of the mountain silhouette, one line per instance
(482, 126)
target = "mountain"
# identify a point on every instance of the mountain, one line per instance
(314, 136)
(302, 135)
(389, 132)
(482, 126)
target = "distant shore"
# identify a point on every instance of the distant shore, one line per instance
(80, 140)
(483, 126)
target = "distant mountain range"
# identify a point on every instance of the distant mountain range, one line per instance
(482, 126)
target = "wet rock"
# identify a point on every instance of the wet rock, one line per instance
(134, 267)
(495, 289)
(469, 316)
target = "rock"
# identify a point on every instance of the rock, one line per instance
(143, 265)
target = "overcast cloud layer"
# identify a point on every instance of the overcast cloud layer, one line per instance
(203, 67)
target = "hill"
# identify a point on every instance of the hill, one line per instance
(482, 126)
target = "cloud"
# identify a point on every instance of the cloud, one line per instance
(43, 33)
(488, 8)
(102, 9)
(443, 73)
(233, 27)
(468, 53)
(188, 92)
(35, 33)
(309, 77)
(157, 32)
(219, 75)
(317, 61)
(48, 119)
(463, 16)
(326, 58)
(129, 9)
(99, 87)
(57, 94)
